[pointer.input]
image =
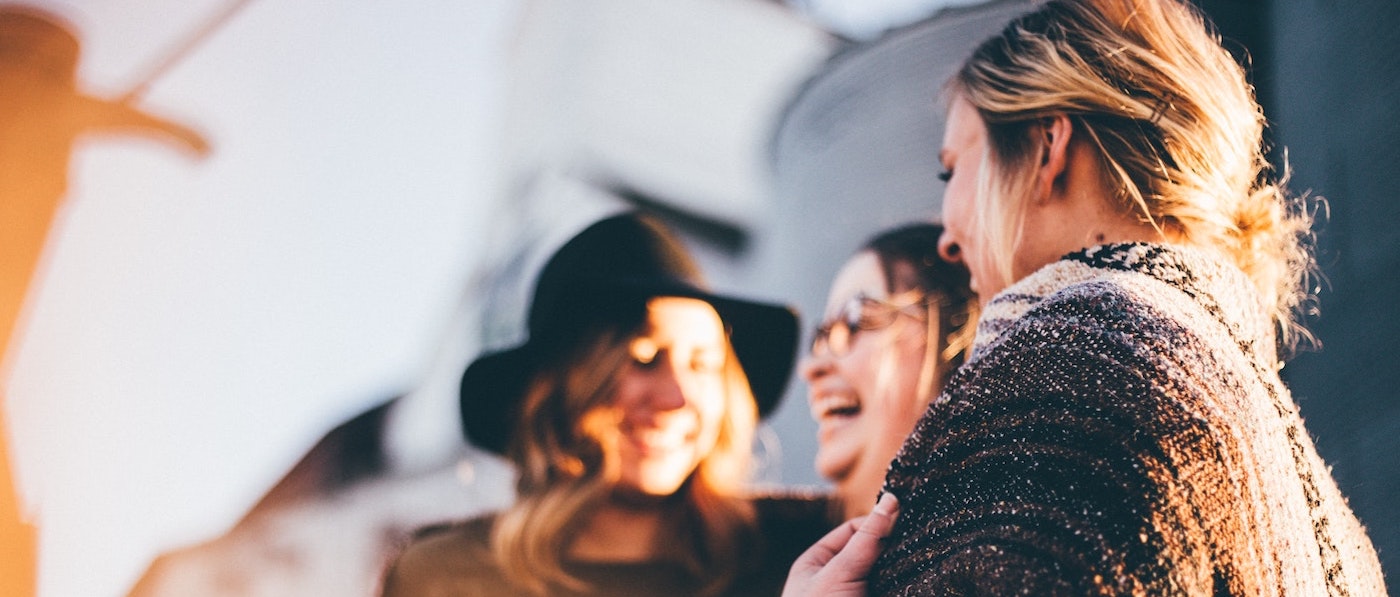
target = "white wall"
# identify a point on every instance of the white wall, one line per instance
(202, 322)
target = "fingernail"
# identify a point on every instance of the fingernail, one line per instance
(887, 503)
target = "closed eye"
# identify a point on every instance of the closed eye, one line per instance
(645, 352)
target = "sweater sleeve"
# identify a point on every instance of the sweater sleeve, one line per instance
(1056, 464)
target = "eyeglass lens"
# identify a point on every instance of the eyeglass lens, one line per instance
(838, 333)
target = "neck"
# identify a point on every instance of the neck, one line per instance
(1118, 231)
(1074, 222)
(618, 533)
(1081, 211)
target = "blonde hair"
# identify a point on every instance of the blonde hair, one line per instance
(564, 450)
(1174, 123)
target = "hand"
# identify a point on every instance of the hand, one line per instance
(838, 563)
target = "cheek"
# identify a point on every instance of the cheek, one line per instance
(710, 410)
(876, 372)
(911, 366)
(627, 393)
(957, 208)
(899, 392)
(862, 370)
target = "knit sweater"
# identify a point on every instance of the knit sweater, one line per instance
(1120, 428)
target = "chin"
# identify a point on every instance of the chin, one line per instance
(833, 468)
(655, 484)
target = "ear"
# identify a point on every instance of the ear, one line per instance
(1054, 132)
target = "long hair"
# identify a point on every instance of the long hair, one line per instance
(565, 451)
(1173, 121)
(945, 288)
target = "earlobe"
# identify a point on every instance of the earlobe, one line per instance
(1055, 133)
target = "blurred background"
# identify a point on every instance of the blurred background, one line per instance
(279, 231)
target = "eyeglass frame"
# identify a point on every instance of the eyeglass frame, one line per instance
(851, 318)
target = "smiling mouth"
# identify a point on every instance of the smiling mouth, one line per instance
(835, 406)
(658, 441)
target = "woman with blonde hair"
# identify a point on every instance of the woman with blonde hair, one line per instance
(629, 414)
(1120, 426)
(898, 322)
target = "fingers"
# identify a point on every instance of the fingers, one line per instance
(838, 564)
(816, 557)
(864, 546)
(803, 577)
(881, 519)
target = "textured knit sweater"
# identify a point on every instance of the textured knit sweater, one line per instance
(1120, 428)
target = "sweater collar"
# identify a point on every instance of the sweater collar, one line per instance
(1221, 289)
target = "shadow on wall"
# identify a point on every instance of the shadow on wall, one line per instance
(42, 115)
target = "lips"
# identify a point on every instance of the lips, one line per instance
(834, 405)
(659, 440)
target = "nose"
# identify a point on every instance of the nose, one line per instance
(948, 249)
(814, 367)
(667, 390)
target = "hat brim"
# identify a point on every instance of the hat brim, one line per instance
(764, 337)
(490, 395)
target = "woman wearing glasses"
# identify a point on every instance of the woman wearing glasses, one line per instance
(895, 328)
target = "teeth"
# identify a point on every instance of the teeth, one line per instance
(835, 405)
(660, 438)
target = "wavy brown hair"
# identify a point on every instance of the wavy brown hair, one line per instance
(1173, 120)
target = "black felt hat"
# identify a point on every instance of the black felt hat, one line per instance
(604, 276)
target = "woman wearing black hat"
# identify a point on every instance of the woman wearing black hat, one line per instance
(629, 415)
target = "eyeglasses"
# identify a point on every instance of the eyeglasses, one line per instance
(836, 335)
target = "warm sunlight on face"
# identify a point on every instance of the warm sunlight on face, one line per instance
(866, 399)
(671, 397)
(962, 156)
